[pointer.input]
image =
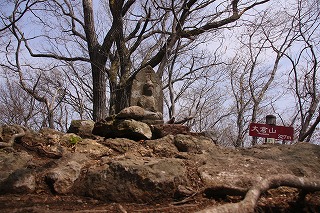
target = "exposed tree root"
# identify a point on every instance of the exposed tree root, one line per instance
(123, 210)
(10, 143)
(250, 201)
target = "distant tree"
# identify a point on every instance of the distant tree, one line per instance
(191, 84)
(78, 93)
(304, 60)
(252, 73)
(16, 106)
(43, 86)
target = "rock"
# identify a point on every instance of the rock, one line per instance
(130, 129)
(46, 143)
(15, 177)
(127, 147)
(120, 145)
(136, 180)
(133, 129)
(160, 131)
(61, 179)
(83, 128)
(188, 143)
(25, 183)
(147, 171)
(92, 148)
(20, 181)
(163, 147)
(7, 132)
(13, 161)
(53, 134)
(105, 128)
(238, 170)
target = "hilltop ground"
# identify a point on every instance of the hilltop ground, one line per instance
(50, 171)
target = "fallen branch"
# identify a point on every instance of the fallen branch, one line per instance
(10, 143)
(250, 201)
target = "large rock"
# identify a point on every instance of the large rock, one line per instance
(161, 130)
(131, 129)
(188, 143)
(120, 145)
(21, 181)
(136, 180)
(13, 161)
(92, 148)
(105, 128)
(124, 170)
(1, 137)
(46, 143)
(62, 177)
(83, 128)
(163, 147)
(238, 170)
(15, 177)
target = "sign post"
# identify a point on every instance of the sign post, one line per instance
(271, 131)
(271, 120)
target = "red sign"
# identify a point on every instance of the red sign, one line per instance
(271, 131)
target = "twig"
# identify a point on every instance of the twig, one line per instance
(187, 199)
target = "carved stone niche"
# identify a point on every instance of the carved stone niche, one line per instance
(146, 91)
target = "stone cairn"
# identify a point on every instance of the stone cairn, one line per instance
(143, 119)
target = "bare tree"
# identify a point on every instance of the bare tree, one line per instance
(191, 83)
(240, 89)
(72, 33)
(277, 38)
(305, 67)
(252, 75)
(45, 88)
(16, 106)
(14, 11)
(78, 93)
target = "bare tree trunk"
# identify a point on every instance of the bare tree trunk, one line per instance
(99, 93)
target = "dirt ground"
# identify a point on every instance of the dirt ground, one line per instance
(283, 199)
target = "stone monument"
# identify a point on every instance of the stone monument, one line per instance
(145, 109)
(146, 92)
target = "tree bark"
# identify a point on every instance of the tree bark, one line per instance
(98, 60)
(99, 92)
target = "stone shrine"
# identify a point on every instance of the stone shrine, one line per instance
(146, 92)
(145, 109)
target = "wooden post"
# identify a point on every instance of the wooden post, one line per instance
(271, 120)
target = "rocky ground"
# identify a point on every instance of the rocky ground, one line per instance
(50, 171)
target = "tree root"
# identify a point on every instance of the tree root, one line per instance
(250, 201)
(10, 143)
